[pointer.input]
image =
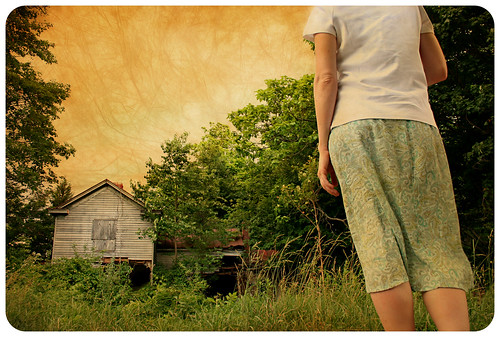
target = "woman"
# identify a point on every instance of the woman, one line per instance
(378, 135)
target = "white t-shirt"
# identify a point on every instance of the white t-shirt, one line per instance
(379, 67)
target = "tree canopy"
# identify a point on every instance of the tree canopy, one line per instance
(464, 109)
(181, 194)
(31, 148)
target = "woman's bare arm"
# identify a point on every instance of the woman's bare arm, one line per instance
(433, 59)
(325, 97)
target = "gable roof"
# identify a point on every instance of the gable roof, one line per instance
(61, 208)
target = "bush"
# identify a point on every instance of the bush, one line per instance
(80, 295)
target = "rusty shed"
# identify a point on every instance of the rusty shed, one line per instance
(106, 219)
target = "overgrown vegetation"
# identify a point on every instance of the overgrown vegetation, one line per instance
(258, 175)
(290, 292)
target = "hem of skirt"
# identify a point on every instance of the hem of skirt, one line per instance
(383, 288)
(460, 285)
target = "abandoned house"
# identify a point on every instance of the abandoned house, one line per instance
(107, 220)
(104, 219)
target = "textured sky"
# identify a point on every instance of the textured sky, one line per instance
(139, 75)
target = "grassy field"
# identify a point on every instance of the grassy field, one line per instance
(73, 295)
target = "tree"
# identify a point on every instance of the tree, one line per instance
(463, 106)
(282, 143)
(62, 193)
(32, 105)
(181, 196)
(220, 154)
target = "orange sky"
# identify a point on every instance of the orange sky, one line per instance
(139, 75)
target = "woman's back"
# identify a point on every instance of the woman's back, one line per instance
(380, 70)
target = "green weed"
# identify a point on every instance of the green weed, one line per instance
(288, 293)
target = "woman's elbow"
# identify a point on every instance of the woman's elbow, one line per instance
(438, 74)
(325, 80)
(442, 73)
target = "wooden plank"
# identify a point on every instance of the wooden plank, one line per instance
(119, 219)
(104, 229)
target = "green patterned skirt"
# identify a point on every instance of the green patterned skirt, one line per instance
(400, 206)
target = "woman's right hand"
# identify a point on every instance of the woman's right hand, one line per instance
(325, 169)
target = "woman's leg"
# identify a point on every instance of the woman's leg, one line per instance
(395, 308)
(448, 308)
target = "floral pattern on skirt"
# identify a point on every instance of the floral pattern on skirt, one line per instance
(400, 206)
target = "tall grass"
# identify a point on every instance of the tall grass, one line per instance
(290, 292)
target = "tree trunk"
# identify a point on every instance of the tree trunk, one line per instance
(175, 249)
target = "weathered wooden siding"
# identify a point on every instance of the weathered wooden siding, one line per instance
(82, 229)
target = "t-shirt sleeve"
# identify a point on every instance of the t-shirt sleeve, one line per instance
(320, 21)
(426, 26)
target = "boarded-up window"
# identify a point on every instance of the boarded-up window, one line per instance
(104, 235)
